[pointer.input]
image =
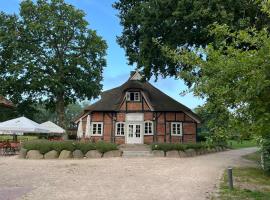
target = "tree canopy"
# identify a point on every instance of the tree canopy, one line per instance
(48, 54)
(178, 24)
(220, 48)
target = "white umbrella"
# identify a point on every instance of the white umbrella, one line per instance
(87, 129)
(21, 125)
(80, 130)
(52, 127)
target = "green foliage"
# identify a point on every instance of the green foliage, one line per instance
(19, 137)
(62, 145)
(222, 54)
(104, 147)
(42, 145)
(177, 24)
(85, 147)
(255, 157)
(238, 144)
(265, 153)
(45, 146)
(48, 54)
(250, 183)
(215, 121)
(44, 114)
(179, 147)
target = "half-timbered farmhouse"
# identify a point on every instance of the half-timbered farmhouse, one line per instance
(136, 113)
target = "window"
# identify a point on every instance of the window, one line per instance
(148, 128)
(176, 128)
(120, 129)
(97, 128)
(133, 96)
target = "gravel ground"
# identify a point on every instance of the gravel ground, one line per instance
(116, 178)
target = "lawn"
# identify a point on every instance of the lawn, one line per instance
(20, 137)
(253, 157)
(250, 183)
(241, 144)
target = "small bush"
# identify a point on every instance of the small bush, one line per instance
(85, 147)
(104, 147)
(179, 147)
(63, 145)
(196, 146)
(44, 146)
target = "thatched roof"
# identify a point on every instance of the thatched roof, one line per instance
(112, 99)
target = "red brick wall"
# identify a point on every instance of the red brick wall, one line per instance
(120, 140)
(189, 130)
(148, 116)
(148, 139)
(170, 116)
(189, 127)
(176, 139)
(97, 117)
(107, 127)
(187, 118)
(180, 116)
(120, 117)
(134, 106)
(145, 106)
(123, 106)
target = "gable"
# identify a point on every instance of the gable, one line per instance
(152, 99)
(141, 105)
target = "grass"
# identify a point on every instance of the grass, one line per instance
(20, 137)
(243, 144)
(250, 183)
(256, 156)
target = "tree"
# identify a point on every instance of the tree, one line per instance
(223, 56)
(48, 54)
(178, 24)
(215, 118)
(42, 114)
(234, 78)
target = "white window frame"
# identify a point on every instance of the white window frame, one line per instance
(181, 128)
(116, 129)
(152, 128)
(92, 129)
(137, 96)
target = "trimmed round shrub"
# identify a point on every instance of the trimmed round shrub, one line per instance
(103, 147)
(43, 146)
(179, 147)
(63, 145)
(85, 147)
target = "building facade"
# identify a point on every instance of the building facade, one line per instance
(136, 113)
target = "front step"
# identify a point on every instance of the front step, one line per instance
(135, 147)
(130, 154)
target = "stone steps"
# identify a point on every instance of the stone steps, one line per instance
(135, 147)
(137, 153)
(136, 150)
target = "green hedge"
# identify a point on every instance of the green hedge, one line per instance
(181, 147)
(44, 146)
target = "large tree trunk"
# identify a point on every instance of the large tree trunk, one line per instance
(60, 110)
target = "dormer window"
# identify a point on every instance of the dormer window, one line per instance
(133, 96)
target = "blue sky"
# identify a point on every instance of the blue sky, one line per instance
(102, 17)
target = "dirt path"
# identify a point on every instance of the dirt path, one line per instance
(116, 178)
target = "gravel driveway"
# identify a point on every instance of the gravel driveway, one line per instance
(116, 178)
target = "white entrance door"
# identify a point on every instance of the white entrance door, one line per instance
(134, 134)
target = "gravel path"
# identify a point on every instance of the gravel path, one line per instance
(116, 178)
